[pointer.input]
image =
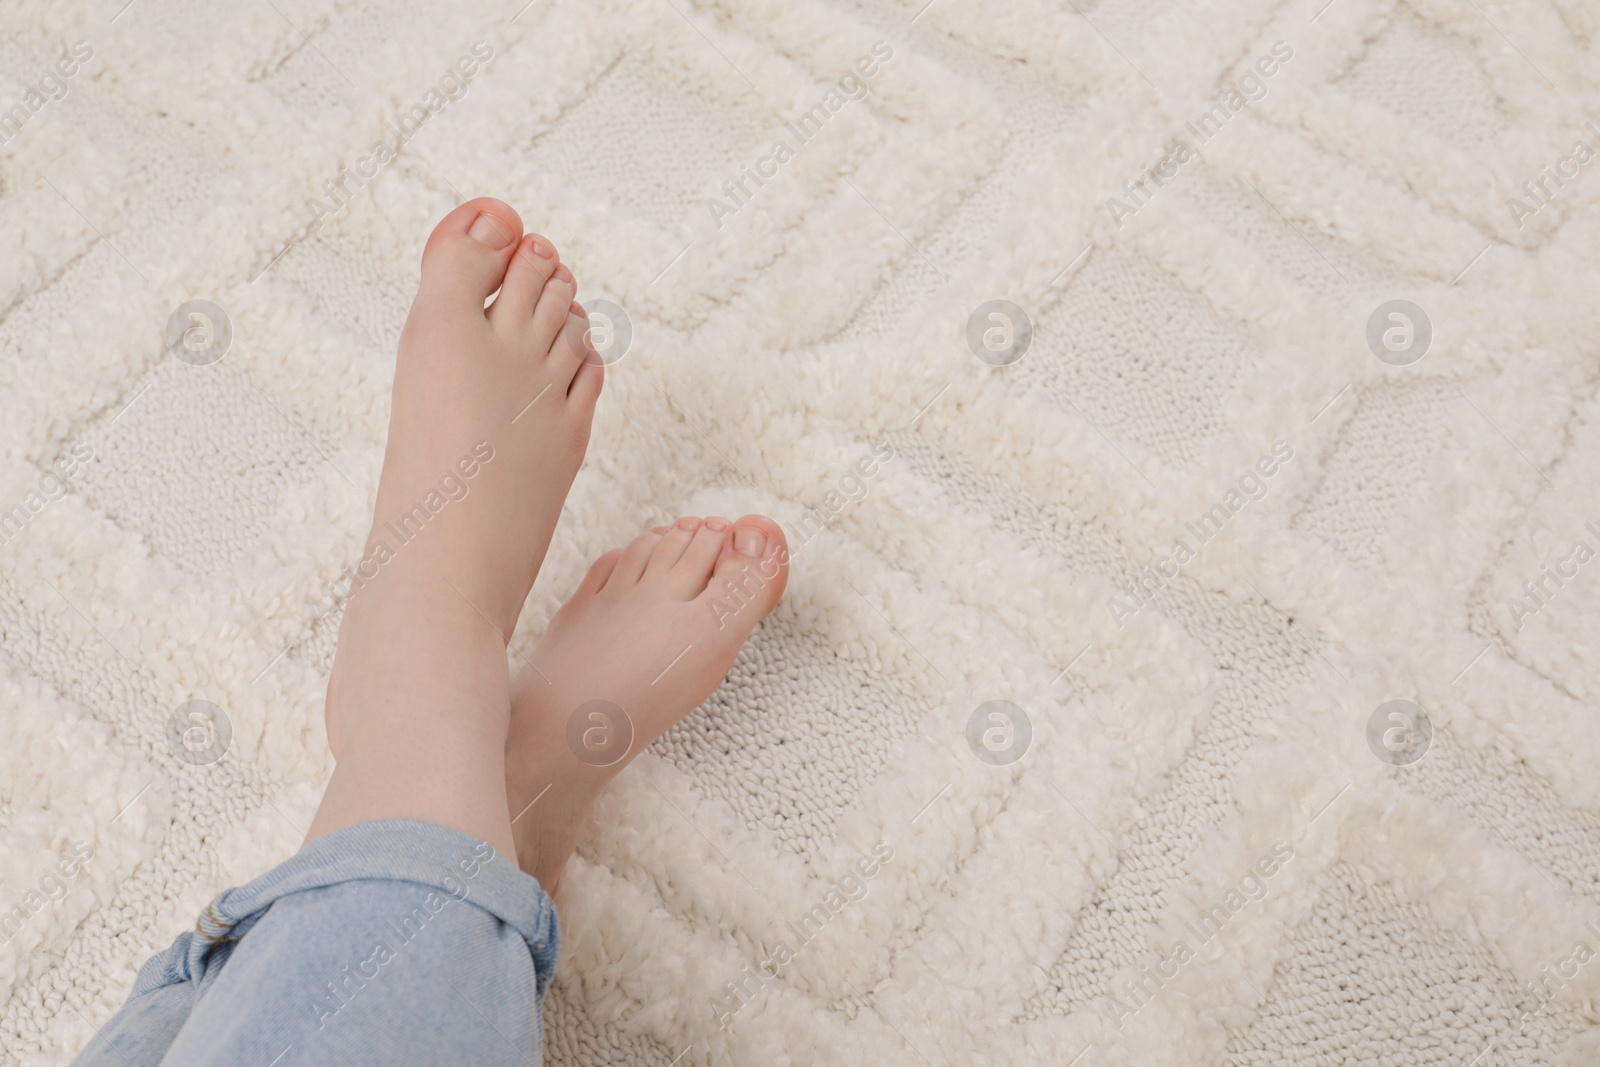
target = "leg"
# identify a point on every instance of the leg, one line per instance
(410, 942)
(402, 884)
(388, 942)
(489, 422)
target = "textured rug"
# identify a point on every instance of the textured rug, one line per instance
(1180, 411)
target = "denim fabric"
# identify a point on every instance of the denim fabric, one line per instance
(391, 942)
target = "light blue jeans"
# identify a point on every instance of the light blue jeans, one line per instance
(391, 942)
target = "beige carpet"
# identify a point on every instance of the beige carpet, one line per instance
(1072, 741)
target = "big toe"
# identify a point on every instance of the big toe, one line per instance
(750, 574)
(466, 256)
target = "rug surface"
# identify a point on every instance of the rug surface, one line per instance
(1179, 413)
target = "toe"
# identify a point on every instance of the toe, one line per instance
(586, 384)
(599, 571)
(553, 309)
(466, 255)
(750, 573)
(571, 347)
(693, 569)
(531, 267)
(630, 566)
(672, 545)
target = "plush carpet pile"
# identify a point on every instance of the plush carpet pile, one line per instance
(1184, 414)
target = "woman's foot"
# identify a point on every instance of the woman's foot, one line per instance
(490, 418)
(651, 631)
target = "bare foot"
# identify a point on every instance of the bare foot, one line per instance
(490, 420)
(651, 631)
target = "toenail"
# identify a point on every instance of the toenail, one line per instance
(717, 524)
(486, 229)
(542, 248)
(562, 274)
(749, 541)
(688, 523)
